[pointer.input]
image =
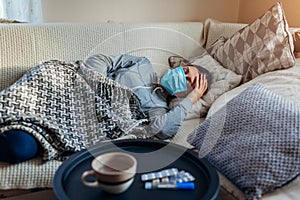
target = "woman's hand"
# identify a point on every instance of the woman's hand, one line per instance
(199, 88)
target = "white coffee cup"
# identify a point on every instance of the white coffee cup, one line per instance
(113, 172)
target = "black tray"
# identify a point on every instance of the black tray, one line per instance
(152, 155)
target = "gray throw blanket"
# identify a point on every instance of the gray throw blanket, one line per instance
(68, 107)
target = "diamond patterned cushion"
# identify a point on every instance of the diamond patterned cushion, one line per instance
(254, 140)
(262, 46)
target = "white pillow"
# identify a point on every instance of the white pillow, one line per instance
(222, 80)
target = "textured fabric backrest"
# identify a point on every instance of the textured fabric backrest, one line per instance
(25, 45)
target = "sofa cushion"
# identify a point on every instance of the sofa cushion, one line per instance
(262, 46)
(254, 140)
(33, 173)
(285, 82)
(222, 80)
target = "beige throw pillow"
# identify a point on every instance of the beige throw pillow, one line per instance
(262, 46)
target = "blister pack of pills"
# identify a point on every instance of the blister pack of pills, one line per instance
(169, 179)
(159, 174)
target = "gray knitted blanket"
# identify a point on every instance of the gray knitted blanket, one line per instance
(68, 107)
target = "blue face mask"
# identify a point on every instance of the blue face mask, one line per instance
(174, 80)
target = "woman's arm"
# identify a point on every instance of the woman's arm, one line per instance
(109, 64)
(165, 123)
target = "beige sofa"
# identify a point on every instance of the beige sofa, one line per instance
(25, 45)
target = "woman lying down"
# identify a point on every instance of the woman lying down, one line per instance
(58, 108)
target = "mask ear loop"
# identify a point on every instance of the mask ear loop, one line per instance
(183, 74)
